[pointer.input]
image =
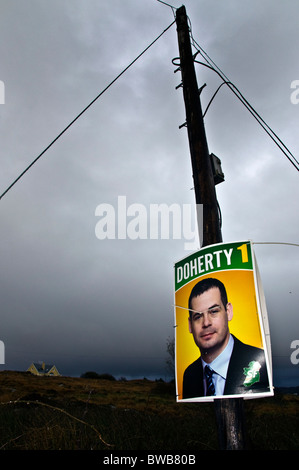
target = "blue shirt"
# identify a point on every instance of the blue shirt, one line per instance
(220, 366)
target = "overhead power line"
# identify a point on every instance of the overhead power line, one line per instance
(275, 243)
(84, 110)
(172, 7)
(255, 114)
(213, 66)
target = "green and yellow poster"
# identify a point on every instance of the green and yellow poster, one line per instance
(222, 341)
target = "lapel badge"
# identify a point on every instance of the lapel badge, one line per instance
(252, 373)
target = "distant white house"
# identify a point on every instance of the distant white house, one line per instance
(40, 368)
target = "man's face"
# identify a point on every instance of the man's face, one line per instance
(209, 323)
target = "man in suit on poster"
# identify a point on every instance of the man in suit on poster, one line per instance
(226, 365)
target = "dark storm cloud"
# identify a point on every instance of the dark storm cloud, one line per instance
(68, 297)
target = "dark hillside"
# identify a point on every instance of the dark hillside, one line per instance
(51, 413)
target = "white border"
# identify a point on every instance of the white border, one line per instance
(263, 321)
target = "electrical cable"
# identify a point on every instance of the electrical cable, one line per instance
(84, 110)
(275, 243)
(254, 113)
(243, 100)
(210, 102)
(172, 7)
(239, 95)
(262, 123)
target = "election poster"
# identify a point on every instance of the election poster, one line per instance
(222, 338)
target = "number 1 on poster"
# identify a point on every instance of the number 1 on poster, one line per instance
(244, 253)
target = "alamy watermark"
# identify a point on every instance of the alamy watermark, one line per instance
(295, 94)
(295, 354)
(2, 353)
(2, 92)
(157, 221)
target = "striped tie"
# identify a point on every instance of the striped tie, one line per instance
(210, 386)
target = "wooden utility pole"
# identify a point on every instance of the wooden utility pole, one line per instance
(229, 412)
(201, 163)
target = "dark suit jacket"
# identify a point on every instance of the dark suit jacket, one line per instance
(242, 355)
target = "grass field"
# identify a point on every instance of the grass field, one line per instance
(65, 413)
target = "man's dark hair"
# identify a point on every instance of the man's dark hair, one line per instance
(205, 285)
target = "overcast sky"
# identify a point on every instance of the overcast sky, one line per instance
(82, 303)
